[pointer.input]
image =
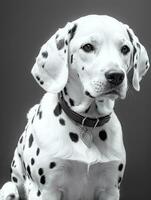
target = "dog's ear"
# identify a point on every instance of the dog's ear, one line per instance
(139, 60)
(51, 67)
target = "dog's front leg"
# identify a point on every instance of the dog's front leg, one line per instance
(109, 194)
(9, 191)
(51, 195)
(14, 189)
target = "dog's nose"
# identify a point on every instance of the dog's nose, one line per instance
(114, 77)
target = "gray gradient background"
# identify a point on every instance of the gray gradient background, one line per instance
(25, 25)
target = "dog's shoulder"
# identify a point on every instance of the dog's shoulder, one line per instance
(48, 100)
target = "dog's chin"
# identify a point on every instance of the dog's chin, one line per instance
(114, 94)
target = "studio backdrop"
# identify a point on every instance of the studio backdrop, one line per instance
(25, 26)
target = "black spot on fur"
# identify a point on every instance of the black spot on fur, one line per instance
(62, 121)
(71, 58)
(39, 112)
(40, 171)
(41, 82)
(12, 196)
(43, 66)
(13, 163)
(24, 165)
(66, 42)
(74, 137)
(14, 179)
(31, 139)
(57, 110)
(29, 172)
(60, 44)
(57, 36)
(120, 167)
(71, 102)
(88, 94)
(65, 91)
(135, 66)
(43, 180)
(38, 151)
(119, 180)
(87, 110)
(32, 161)
(52, 165)
(134, 52)
(21, 140)
(61, 94)
(82, 68)
(38, 78)
(45, 54)
(24, 177)
(19, 155)
(65, 51)
(72, 31)
(130, 36)
(103, 135)
(38, 193)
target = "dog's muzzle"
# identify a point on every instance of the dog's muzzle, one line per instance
(113, 84)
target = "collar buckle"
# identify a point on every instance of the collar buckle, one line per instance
(97, 121)
(83, 121)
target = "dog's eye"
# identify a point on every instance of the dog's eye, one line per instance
(88, 48)
(125, 49)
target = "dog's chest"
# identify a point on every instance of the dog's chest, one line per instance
(52, 141)
(55, 135)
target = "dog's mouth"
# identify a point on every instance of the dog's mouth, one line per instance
(114, 93)
(107, 91)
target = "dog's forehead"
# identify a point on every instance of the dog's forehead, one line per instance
(98, 23)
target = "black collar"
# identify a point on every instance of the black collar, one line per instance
(84, 121)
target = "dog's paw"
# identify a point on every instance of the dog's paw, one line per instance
(9, 192)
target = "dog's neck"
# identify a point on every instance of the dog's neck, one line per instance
(73, 95)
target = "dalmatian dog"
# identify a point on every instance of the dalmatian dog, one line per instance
(72, 146)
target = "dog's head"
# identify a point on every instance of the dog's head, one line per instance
(99, 51)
